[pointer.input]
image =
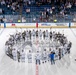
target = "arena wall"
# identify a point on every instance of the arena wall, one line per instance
(38, 25)
(1, 25)
(73, 25)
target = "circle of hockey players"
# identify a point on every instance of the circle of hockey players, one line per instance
(37, 46)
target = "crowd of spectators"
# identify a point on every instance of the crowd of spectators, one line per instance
(48, 2)
(13, 5)
(51, 7)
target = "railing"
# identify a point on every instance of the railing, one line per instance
(32, 18)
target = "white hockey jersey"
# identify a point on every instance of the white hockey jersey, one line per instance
(33, 33)
(38, 56)
(40, 33)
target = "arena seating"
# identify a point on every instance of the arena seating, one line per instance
(33, 12)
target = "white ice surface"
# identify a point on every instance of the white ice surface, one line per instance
(65, 66)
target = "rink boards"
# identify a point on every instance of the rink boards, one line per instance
(37, 25)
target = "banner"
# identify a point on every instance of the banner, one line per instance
(11, 25)
(62, 24)
(38, 25)
(53, 24)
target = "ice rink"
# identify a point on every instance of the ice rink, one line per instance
(65, 66)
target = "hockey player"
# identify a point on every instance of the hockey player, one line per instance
(65, 47)
(14, 54)
(46, 34)
(18, 55)
(44, 56)
(6, 48)
(49, 54)
(30, 34)
(68, 47)
(16, 37)
(62, 47)
(29, 55)
(50, 35)
(10, 42)
(33, 34)
(22, 56)
(40, 34)
(27, 34)
(9, 51)
(53, 36)
(56, 54)
(38, 57)
(37, 34)
(23, 35)
(12, 39)
(20, 37)
(60, 53)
